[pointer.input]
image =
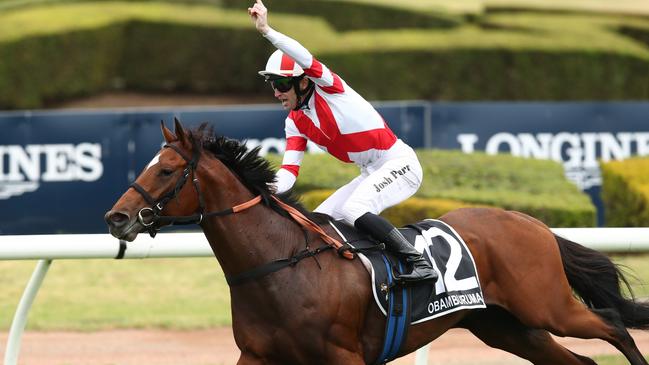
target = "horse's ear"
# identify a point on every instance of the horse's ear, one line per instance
(168, 135)
(180, 132)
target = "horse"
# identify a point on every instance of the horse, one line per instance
(320, 310)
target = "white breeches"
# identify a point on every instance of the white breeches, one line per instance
(380, 185)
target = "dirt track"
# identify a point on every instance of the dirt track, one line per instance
(216, 347)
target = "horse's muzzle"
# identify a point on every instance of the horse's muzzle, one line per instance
(116, 219)
(121, 225)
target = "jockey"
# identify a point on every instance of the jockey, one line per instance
(325, 110)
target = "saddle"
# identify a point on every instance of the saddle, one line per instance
(457, 288)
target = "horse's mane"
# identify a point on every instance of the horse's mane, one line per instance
(254, 171)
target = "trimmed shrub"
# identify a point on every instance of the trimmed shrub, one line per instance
(494, 74)
(535, 187)
(184, 58)
(55, 67)
(410, 211)
(357, 15)
(625, 192)
(161, 57)
(188, 47)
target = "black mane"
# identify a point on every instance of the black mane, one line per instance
(254, 171)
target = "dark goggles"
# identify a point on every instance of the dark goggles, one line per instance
(283, 84)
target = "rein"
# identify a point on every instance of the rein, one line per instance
(308, 224)
(155, 220)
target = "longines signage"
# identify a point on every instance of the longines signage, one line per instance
(24, 168)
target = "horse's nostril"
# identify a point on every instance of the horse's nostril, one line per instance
(117, 219)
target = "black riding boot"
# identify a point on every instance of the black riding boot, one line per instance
(383, 231)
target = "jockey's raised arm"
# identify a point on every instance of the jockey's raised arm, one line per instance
(314, 69)
(325, 110)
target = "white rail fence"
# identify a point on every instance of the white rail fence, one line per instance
(46, 248)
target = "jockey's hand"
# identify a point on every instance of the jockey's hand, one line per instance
(259, 15)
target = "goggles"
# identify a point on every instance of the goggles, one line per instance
(283, 84)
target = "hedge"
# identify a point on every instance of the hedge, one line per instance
(498, 75)
(357, 15)
(178, 47)
(56, 67)
(197, 59)
(625, 192)
(410, 211)
(536, 187)
(52, 68)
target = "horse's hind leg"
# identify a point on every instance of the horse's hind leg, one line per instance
(498, 328)
(622, 339)
(578, 321)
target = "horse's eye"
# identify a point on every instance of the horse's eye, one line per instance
(166, 172)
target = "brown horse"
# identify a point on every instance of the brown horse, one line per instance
(321, 311)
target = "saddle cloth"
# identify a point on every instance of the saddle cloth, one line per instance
(458, 286)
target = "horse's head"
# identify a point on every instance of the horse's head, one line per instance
(164, 188)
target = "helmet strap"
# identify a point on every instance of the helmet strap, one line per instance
(303, 96)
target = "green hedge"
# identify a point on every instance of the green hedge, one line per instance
(494, 74)
(409, 211)
(639, 34)
(536, 187)
(357, 15)
(347, 15)
(160, 57)
(49, 68)
(625, 192)
(42, 70)
(196, 59)
(192, 47)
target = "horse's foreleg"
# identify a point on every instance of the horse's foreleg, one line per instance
(499, 329)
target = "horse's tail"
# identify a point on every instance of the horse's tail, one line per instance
(597, 280)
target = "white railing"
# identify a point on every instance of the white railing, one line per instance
(46, 248)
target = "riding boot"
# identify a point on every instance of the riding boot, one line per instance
(383, 231)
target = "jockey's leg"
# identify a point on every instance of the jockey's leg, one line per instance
(391, 183)
(333, 204)
(383, 231)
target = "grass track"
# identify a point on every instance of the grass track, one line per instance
(88, 295)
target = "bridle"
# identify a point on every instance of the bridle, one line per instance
(156, 206)
(157, 220)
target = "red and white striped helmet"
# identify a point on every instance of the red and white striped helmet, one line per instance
(281, 65)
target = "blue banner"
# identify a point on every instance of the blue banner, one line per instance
(60, 171)
(578, 135)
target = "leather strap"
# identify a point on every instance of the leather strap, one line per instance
(310, 225)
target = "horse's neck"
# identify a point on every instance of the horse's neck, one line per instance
(249, 238)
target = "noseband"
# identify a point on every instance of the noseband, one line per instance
(156, 206)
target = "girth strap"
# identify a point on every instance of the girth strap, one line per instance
(273, 266)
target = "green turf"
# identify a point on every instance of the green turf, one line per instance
(636, 268)
(188, 293)
(100, 294)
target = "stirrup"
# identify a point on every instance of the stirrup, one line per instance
(422, 279)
